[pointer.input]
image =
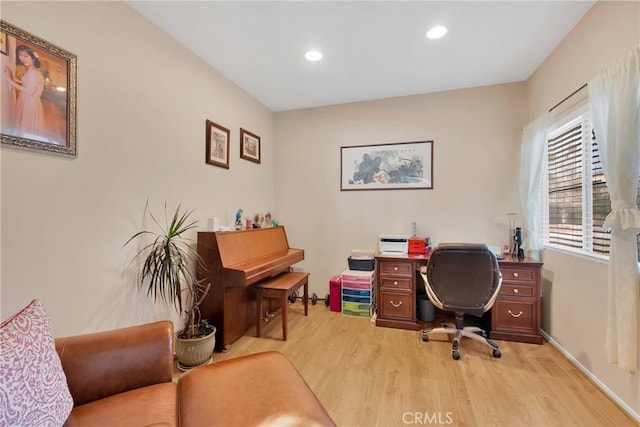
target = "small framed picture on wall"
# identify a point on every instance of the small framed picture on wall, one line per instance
(217, 145)
(249, 146)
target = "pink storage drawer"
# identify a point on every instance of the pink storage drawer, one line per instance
(353, 284)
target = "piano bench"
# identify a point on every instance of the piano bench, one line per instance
(281, 287)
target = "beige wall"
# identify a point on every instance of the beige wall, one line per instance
(604, 34)
(475, 133)
(574, 288)
(142, 105)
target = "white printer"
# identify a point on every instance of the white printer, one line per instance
(389, 244)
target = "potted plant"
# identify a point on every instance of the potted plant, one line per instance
(168, 273)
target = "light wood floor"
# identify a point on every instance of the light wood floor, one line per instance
(370, 376)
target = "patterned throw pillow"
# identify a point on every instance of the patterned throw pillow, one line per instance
(33, 387)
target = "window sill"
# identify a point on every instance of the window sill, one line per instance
(601, 259)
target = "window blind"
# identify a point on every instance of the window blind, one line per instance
(577, 197)
(601, 202)
(565, 169)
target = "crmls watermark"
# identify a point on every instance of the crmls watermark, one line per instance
(438, 418)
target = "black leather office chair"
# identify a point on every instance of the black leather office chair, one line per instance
(465, 279)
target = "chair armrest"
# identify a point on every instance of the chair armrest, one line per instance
(259, 389)
(102, 364)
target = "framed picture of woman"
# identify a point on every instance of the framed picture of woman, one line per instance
(37, 94)
(3, 43)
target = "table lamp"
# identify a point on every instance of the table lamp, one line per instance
(508, 219)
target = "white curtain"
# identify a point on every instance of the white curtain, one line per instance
(531, 162)
(614, 98)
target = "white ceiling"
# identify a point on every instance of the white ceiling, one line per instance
(372, 49)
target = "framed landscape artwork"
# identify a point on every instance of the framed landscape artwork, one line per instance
(404, 165)
(249, 146)
(217, 145)
(38, 93)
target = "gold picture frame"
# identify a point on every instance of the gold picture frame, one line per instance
(41, 118)
(3, 43)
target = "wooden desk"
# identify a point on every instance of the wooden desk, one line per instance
(396, 287)
(515, 315)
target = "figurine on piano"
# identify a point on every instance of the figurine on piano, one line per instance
(239, 219)
(256, 221)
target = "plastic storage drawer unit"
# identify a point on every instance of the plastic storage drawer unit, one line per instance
(357, 295)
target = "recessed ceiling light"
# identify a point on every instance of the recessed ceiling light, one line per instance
(313, 55)
(436, 32)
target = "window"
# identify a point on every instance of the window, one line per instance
(577, 199)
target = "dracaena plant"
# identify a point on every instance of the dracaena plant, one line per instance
(168, 269)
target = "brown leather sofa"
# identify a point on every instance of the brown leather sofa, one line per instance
(124, 377)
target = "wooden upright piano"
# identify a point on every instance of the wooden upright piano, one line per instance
(233, 261)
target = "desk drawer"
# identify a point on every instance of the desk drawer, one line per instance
(396, 282)
(516, 291)
(514, 316)
(397, 305)
(396, 268)
(517, 274)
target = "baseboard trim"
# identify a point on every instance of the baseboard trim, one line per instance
(606, 390)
